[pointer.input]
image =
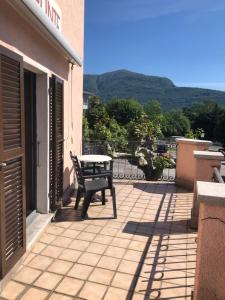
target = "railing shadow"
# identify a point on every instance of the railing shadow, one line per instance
(161, 253)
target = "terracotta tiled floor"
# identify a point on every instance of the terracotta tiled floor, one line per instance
(147, 253)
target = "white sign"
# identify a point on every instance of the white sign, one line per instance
(52, 10)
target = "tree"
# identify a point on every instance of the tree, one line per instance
(153, 111)
(143, 130)
(219, 130)
(86, 131)
(205, 115)
(175, 123)
(124, 111)
(96, 113)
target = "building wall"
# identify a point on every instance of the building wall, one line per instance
(19, 35)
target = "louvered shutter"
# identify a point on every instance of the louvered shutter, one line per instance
(12, 161)
(56, 142)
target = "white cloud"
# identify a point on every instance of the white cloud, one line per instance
(134, 10)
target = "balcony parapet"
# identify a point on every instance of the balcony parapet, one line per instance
(209, 279)
(205, 163)
(186, 162)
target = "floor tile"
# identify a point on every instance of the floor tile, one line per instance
(71, 233)
(63, 224)
(129, 267)
(86, 236)
(54, 230)
(70, 286)
(92, 291)
(120, 242)
(123, 281)
(70, 255)
(109, 231)
(48, 281)
(96, 248)
(109, 263)
(56, 296)
(115, 294)
(52, 251)
(115, 251)
(136, 245)
(38, 247)
(12, 290)
(103, 239)
(101, 276)
(93, 229)
(62, 241)
(90, 259)
(28, 258)
(27, 275)
(47, 238)
(79, 245)
(80, 271)
(40, 262)
(133, 255)
(35, 294)
(60, 267)
(79, 226)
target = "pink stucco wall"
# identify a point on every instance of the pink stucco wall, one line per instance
(19, 35)
(186, 163)
(209, 279)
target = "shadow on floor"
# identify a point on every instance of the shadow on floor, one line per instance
(158, 187)
(161, 228)
(149, 282)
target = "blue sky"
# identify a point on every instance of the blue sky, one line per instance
(180, 39)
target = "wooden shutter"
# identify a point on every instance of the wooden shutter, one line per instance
(56, 142)
(12, 161)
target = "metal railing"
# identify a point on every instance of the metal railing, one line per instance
(125, 161)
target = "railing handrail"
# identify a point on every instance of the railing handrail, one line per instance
(217, 176)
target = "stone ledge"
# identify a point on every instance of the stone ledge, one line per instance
(210, 155)
(212, 193)
(193, 141)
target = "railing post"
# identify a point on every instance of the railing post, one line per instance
(205, 161)
(185, 161)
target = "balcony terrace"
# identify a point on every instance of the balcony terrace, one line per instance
(148, 252)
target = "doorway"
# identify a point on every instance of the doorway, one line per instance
(31, 140)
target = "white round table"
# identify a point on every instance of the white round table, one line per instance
(94, 158)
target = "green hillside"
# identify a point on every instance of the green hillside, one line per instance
(126, 84)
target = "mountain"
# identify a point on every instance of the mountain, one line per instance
(126, 84)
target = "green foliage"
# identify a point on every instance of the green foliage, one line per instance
(124, 111)
(162, 162)
(175, 123)
(143, 129)
(96, 113)
(119, 133)
(100, 132)
(151, 164)
(153, 111)
(195, 134)
(122, 120)
(205, 115)
(86, 131)
(219, 130)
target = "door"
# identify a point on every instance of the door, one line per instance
(12, 161)
(56, 138)
(31, 140)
